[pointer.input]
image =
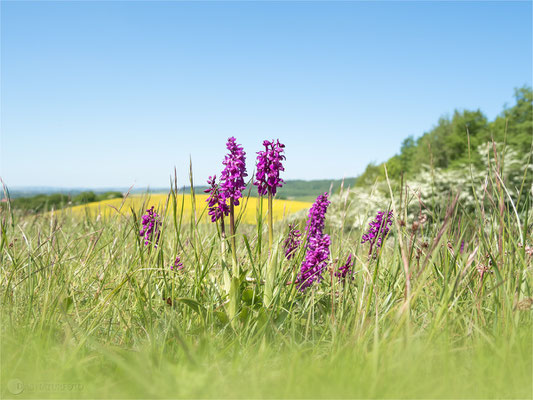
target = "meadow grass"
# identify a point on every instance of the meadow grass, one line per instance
(89, 311)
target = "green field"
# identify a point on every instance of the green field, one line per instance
(89, 311)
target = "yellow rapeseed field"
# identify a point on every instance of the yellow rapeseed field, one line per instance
(161, 202)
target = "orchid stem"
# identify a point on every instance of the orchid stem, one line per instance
(270, 220)
(232, 236)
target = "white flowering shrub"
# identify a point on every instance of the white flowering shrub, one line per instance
(432, 190)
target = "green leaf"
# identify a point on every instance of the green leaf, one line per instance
(192, 304)
(248, 295)
(222, 317)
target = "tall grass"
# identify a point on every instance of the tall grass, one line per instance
(89, 311)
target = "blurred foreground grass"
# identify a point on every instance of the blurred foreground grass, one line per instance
(216, 368)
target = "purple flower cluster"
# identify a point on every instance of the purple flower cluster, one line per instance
(315, 261)
(268, 167)
(378, 231)
(345, 270)
(218, 207)
(317, 216)
(150, 227)
(178, 265)
(317, 245)
(232, 177)
(292, 242)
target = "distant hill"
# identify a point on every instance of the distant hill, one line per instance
(298, 189)
(31, 191)
(309, 190)
(292, 189)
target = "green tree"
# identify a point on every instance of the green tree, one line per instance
(519, 121)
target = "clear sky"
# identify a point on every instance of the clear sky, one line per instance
(103, 94)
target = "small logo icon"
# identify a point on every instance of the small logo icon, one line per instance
(15, 386)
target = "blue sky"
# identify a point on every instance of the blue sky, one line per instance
(110, 94)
